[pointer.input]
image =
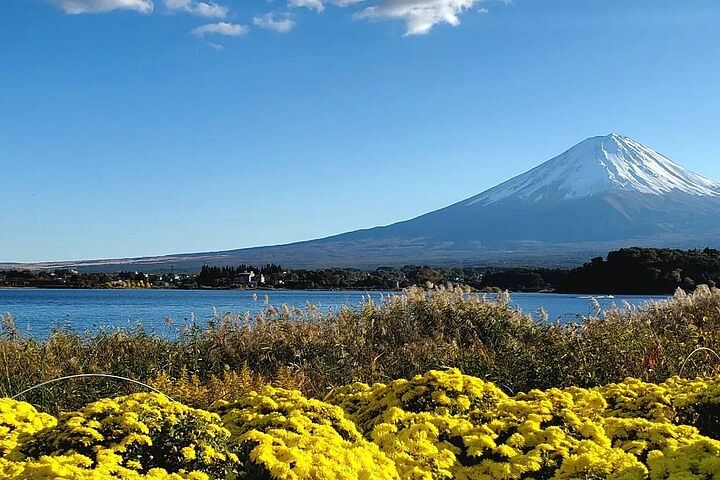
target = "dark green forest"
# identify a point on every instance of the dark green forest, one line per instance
(645, 271)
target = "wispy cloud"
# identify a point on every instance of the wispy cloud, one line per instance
(201, 9)
(269, 22)
(316, 5)
(420, 16)
(319, 5)
(221, 28)
(76, 7)
(346, 3)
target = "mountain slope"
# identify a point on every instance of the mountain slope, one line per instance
(603, 193)
(598, 165)
(605, 189)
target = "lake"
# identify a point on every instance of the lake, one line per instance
(37, 311)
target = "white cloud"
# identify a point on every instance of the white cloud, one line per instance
(316, 5)
(269, 22)
(319, 5)
(201, 9)
(97, 6)
(419, 15)
(221, 28)
(346, 3)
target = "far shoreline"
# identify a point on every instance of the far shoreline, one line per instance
(340, 289)
(628, 271)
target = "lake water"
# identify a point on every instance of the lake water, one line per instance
(37, 311)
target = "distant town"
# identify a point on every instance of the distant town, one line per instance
(244, 277)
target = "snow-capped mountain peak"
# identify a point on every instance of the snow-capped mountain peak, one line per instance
(598, 165)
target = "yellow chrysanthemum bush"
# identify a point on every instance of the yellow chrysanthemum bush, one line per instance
(640, 437)
(448, 425)
(420, 422)
(442, 392)
(137, 434)
(677, 400)
(633, 398)
(286, 436)
(697, 402)
(19, 419)
(698, 460)
(80, 467)
(555, 434)
(439, 425)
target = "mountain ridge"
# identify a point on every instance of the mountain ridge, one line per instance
(604, 193)
(597, 164)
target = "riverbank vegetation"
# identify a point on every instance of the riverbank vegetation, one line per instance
(404, 335)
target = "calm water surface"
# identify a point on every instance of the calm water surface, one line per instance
(37, 311)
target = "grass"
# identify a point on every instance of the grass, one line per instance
(403, 335)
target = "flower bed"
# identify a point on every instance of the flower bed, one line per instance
(440, 425)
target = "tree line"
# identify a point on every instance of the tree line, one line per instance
(645, 271)
(628, 271)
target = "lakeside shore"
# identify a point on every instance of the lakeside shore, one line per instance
(643, 271)
(399, 335)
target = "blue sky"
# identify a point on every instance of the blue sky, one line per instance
(131, 127)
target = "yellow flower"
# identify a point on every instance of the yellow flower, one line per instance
(440, 425)
(292, 437)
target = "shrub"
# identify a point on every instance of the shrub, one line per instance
(18, 419)
(441, 392)
(286, 436)
(80, 467)
(439, 425)
(447, 425)
(139, 432)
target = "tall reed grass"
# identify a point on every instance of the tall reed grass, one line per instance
(400, 336)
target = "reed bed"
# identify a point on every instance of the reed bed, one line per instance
(401, 336)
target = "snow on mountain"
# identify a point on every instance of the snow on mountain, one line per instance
(602, 194)
(599, 165)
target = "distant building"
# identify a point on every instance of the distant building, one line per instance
(248, 279)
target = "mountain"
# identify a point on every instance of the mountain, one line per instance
(604, 193)
(600, 165)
